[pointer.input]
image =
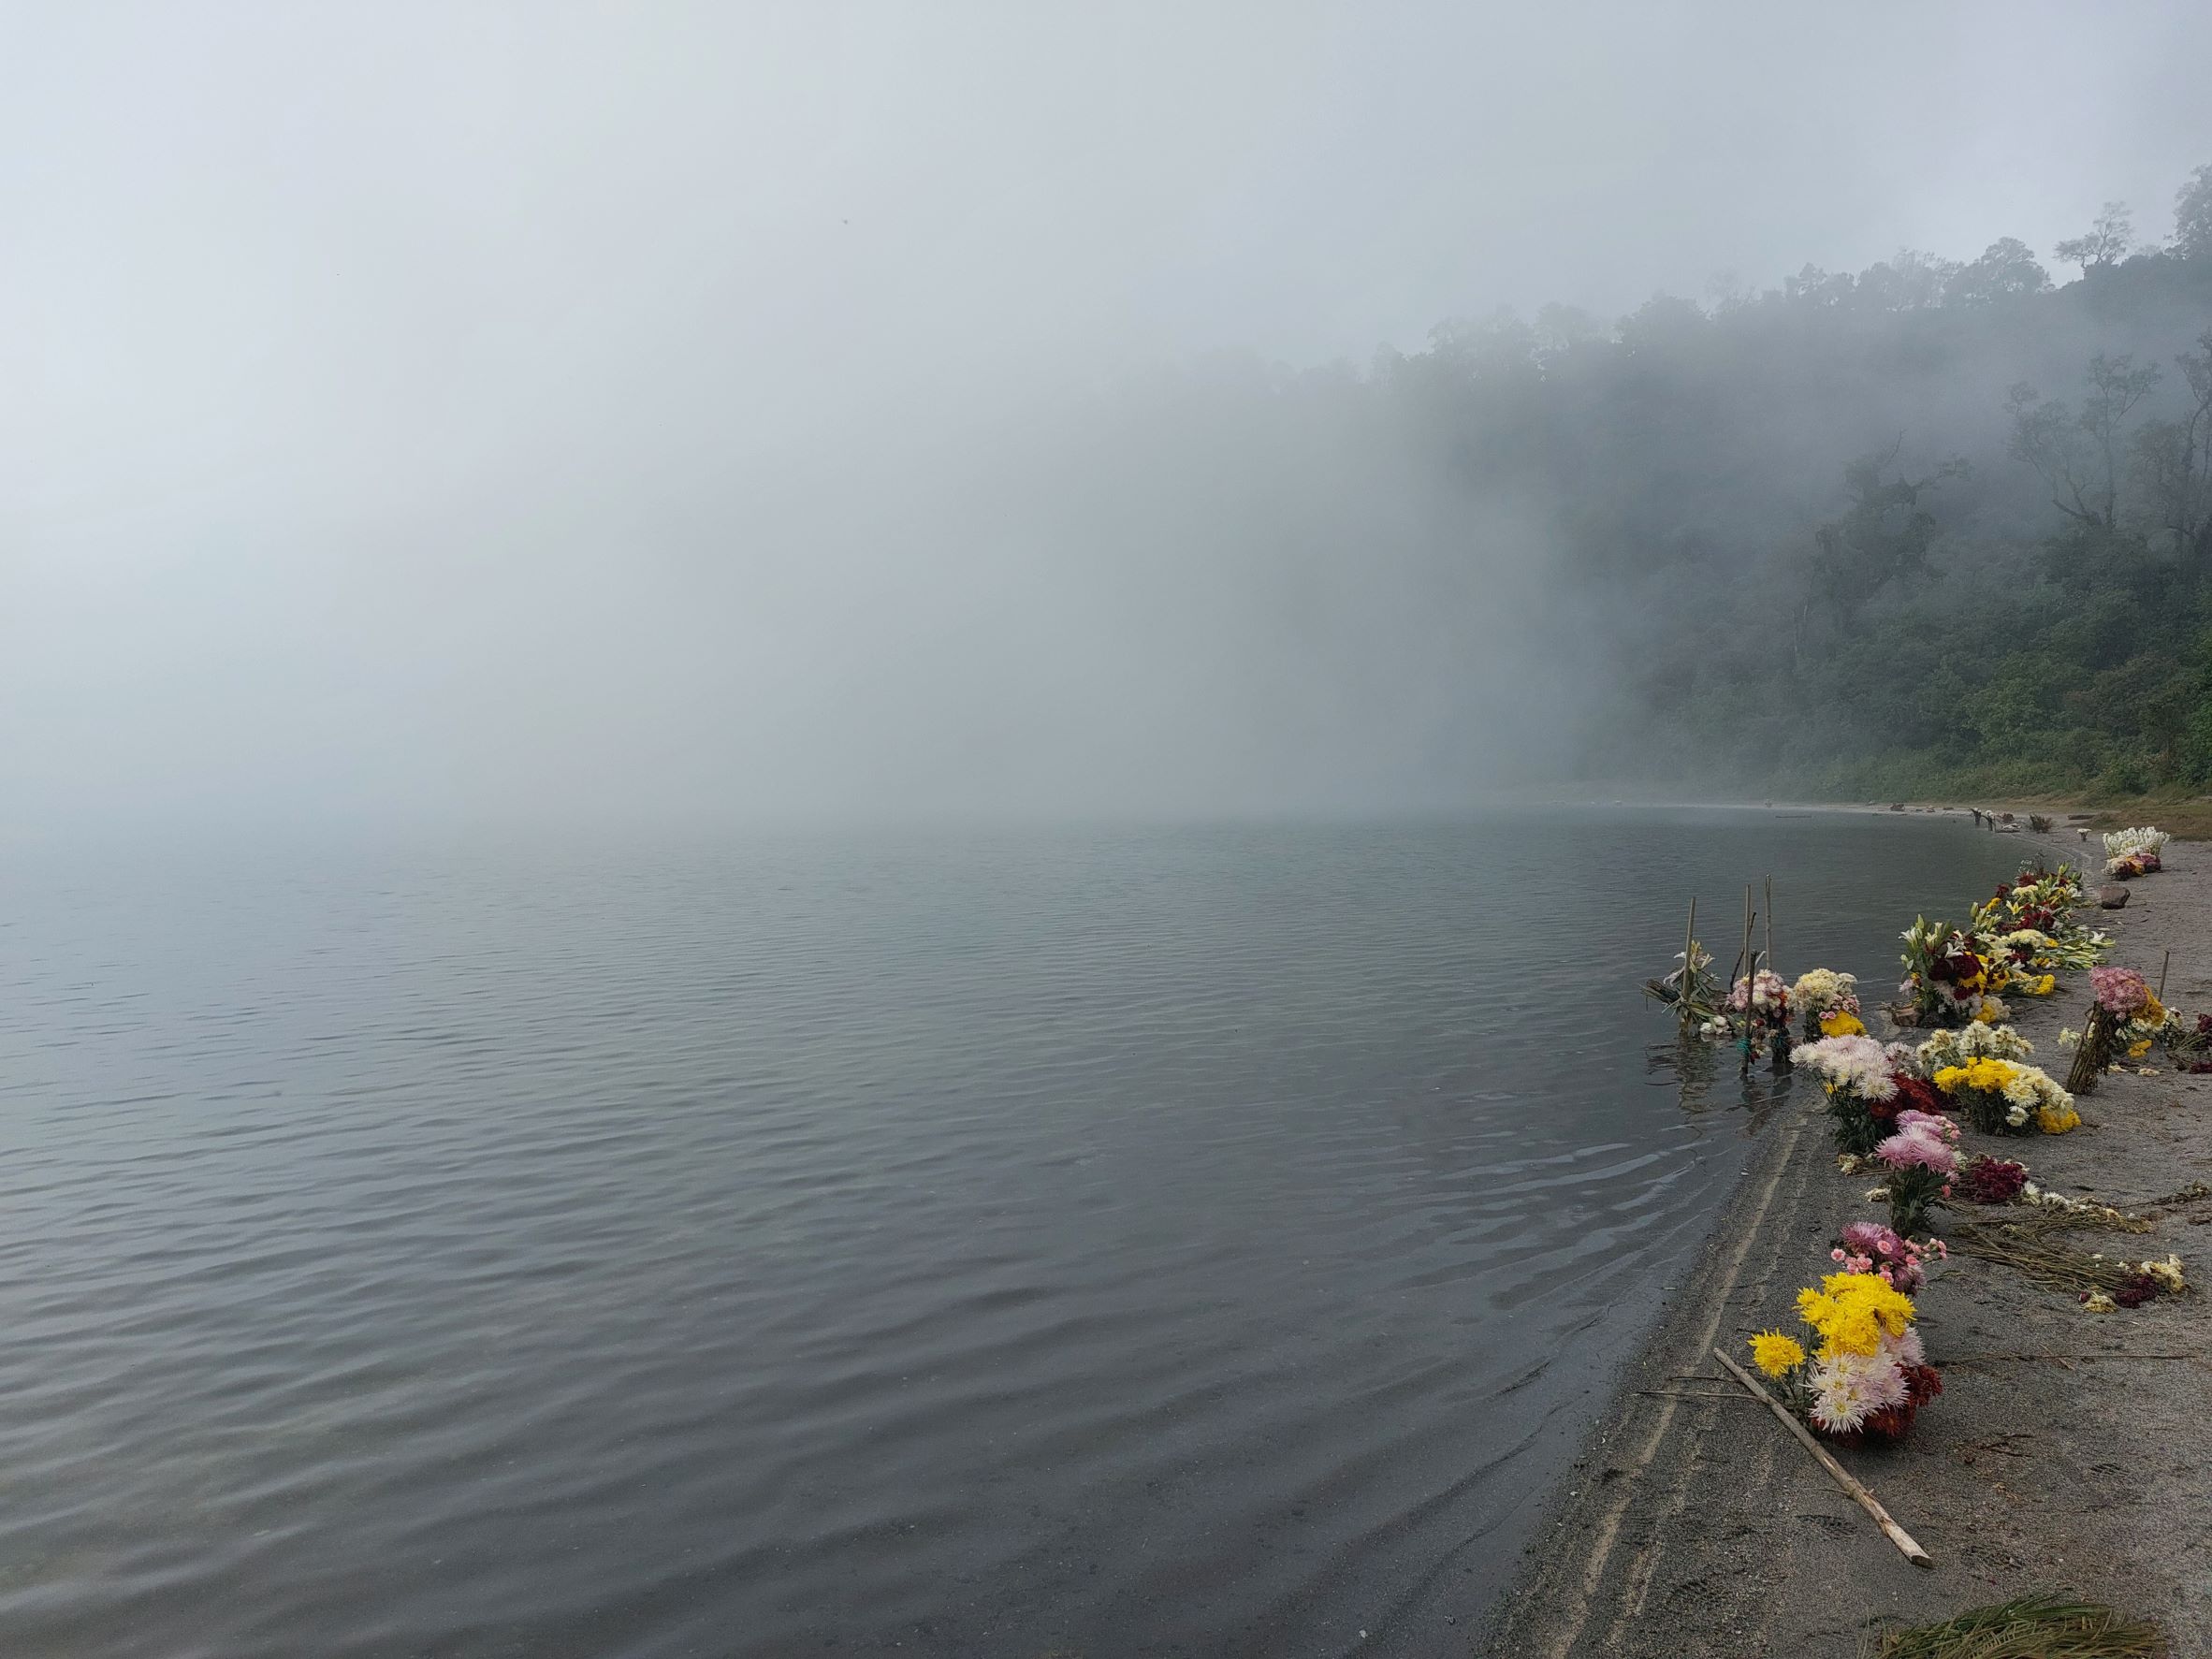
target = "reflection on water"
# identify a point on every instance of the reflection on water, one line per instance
(1709, 1077)
(1202, 1242)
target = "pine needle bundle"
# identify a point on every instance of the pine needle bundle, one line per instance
(2042, 1626)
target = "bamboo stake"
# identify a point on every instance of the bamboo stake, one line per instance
(1750, 975)
(1781, 1036)
(1770, 968)
(2165, 962)
(1682, 1002)
(1866, 1500)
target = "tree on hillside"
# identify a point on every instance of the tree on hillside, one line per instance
(2110, 234)
(2192, 214)
(1908, 281)
(2077, 454)
(1884, 535)
(1562, 328)
(2006, 270)
(2171, 461)
(1663, 323)
(1492, 348)
(1813, 286)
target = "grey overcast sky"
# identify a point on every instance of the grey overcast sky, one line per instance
(340, 343)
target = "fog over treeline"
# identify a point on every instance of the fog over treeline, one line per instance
(640, 415)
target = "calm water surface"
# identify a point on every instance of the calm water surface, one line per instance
(1187, 1241)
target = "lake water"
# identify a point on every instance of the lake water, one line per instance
(1202, 1241)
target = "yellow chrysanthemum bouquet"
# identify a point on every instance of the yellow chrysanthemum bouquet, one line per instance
(1866, 1376)
(2003, 1097)
(1827, 1003)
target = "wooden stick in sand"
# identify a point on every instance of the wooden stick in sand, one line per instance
(2165, 962)
(1866, 1500)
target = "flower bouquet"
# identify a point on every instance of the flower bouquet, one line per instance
(2008, 1098)
(2017, 956)
(1972, 1042)
(1859, 1078)
(1867, 1376)
(1946, 979)
(2139, 1282)
(2123, 1003)
(2155, 1025)
(1921, 1158)
(1827, 1003)
(1869, 1247)
(1690, 989)
(2031, 922)
(2132, 852)
(2039, 887)
(1759, 1008)
(2190, 1047)
(1985, 1179)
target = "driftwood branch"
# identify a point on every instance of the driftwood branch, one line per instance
(1843, 1478)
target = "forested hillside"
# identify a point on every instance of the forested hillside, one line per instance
(1934, 526)
(1937, 526)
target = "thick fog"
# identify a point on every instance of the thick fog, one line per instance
(465, 413)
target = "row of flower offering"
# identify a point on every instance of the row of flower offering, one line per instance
(1862, 1375)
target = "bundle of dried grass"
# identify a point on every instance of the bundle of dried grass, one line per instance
(2032, 1240)
(2099, 1045)
(2042, 1626)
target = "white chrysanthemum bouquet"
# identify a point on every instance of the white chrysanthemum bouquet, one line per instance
(2132, 852)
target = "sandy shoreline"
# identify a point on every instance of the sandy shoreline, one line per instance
(1692, 1524)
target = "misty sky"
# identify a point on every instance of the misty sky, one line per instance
(472, 408)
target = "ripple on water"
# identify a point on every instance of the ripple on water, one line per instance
(1186, 1242)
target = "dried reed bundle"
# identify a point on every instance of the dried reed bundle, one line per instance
(2042, 1626)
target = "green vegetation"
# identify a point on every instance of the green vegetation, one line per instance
(2032, 623)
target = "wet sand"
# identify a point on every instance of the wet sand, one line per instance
(1694, 1524)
